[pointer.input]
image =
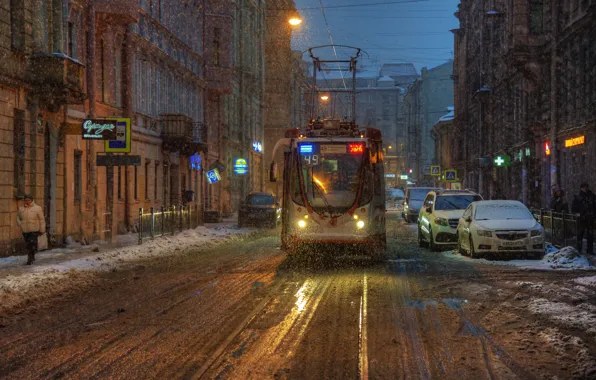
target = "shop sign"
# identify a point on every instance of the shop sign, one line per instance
(99, 129)
(502, 161)
(121, 143)
(102, 160)
(403, 176)
(390, 175)
(240, 166)
(213, 176)
(195, 161)
(257, 146)
(580, 140)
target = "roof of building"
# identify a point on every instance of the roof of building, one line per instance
(448, 116)
(386, 79)
(398, 69)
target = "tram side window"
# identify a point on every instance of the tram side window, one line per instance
(377, 171)
(295, 183)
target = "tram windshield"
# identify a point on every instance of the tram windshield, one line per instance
(331, 175)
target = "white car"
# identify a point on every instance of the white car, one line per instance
(440, 214)
(501, 227)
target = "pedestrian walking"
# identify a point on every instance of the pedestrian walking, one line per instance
(584, 205)
(558, 203)
(32, 223)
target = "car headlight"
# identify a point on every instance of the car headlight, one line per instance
(360, 224)
(301, 223)
(442, 221)
(484, 233)
(536, 233)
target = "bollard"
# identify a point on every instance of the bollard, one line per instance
(140, 226)
(174, 218)
(162, 221)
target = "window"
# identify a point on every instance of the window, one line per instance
(17, 25)
(19, 150)
(71, 41)
(102, 71)
(147, 180)
(136, 187)
(155, 195)
(216, 47)
(118, 76)
(119, 182)
(78, 175)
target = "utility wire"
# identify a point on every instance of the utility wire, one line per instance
(332, 43)
(365, 4)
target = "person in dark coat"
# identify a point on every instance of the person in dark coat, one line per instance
(584, 205)
(558, 203)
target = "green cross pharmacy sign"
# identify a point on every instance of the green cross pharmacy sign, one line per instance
(502, 161)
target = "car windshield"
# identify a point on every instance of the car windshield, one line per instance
(418, 194)
(502, 211)
(260, 199)
(455, 202)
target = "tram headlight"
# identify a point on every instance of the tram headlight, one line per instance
(360, 224)
(301, 223)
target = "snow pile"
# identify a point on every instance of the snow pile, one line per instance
(570, 347)
(567, 257)
(43, 280)
(581, 317)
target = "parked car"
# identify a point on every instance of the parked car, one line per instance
(414, 199)
(500, 227)
(395, 197)
(259, 209)
(439, 216)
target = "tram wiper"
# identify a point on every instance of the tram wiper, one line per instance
(322, 193)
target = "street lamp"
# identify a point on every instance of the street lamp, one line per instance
(295, 20)
(324, 98)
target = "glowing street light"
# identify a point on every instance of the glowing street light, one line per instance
(324, 98)
(295, 21)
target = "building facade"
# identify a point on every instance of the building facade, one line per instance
(426, 100)
(525, 87)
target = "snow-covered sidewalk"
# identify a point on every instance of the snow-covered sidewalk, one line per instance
(55, 269)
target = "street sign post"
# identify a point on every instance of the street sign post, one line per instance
(502, 161)
(435, 170)
(451, 175)
(118, 160)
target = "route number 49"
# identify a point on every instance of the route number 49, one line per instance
(311, 160)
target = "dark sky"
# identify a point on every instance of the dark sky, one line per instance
(415, 31)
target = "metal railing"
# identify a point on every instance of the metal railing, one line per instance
(561, 229)
(167, 221)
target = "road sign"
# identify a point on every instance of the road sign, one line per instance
(213, 176)
(122, 142)
(426, 170)
(451, 175)
(435, 170)
(502, 161)
(118, 160)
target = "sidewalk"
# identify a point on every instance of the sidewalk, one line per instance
(55, 270)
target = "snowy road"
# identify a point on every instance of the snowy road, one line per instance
(246, 310)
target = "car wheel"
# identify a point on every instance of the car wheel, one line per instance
(431, 241)
(421, 242)
(471, 250)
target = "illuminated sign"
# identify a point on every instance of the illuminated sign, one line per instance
(213, 176)
(575, 141)
(333, 149)
(502, 161)
(99, 129)
(547, 148)
(435, 170)
(390, 175)
(403, 176)
(306, 148)
(240, 166)
(257, 147)
(356, 148)
(451, 175)
(195, 161)
(122, 142)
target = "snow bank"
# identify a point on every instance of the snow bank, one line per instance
(582, 317)
(39, 281)
(589, 281)
(566, 258)
(571, 347)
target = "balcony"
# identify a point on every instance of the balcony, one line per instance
(118, 11)
(181, 134)
(219, 79)
(57, 80)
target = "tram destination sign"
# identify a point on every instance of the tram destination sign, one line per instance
(99, 129)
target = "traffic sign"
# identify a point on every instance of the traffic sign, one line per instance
(451, 175)
(435, 170)
(213, 176)
(502, 161)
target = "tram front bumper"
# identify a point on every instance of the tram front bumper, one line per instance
(333, 238)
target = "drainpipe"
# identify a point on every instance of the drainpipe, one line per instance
(91, 90)
(554, 157)
(128, 112)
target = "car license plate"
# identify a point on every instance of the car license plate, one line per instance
(515, 243)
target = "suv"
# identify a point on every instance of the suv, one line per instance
(440, 214)
(414, 198)
(259, 209)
